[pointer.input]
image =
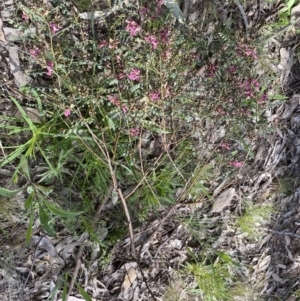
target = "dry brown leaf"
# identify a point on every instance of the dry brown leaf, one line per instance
(223, 200)
(20, 78)
(285, 65)
(33, 114)
(129, 279)
(295, 10)
(263, 264)
(2, 35)
(77, 299)
(291, 106)
(277, 278)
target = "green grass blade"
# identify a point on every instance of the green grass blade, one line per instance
(84, 294)
(45, 221)
(9, 193)
(60, 212)
(24, 115)
(28, 204)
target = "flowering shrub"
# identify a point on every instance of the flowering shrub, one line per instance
(132, 27)
(140, 89)
(134, 74)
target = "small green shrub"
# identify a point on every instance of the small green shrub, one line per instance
(254, 218)
(213, 280)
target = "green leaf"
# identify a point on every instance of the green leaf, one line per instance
(84, 294)
(60, 212)
(28, 204)
(24, 115)
(24, 166)
(64, 294)
(113, 82)
(14, 154)
(9, 193)
(135, 87)
(45, 221)
(39, 101)
(278, 97)
(287, 8)
(111, 124)
(45, 190)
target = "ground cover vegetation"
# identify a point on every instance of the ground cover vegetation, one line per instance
(133, 114)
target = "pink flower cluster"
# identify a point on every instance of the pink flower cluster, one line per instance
(132, 27)
(54, 28)
(220, 111)
(231, 69)
(235, 164)
(211, 70)
(102, 44)
(49, 68)
(165, 35)
(34, 52)
(249, 86)
(134, 132)
(243, 49)
(24, 17)
(152, 40)
(67, 112)
(225, 145)
(154, 96)
(262, 99)
(115, 101)
(134, 74)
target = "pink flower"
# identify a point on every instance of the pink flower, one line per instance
(114, 100)
(220, 111)
(121, 75)
(152, 40)
(246, 50)
(134, 74)
(252, 53)
(232, 69)
(144, 11)
(165, 35)
(154, 96)
(54, 28)
(134, 132)
(225, 145)
(160, 3)
(236, 164)
(167, 55)
(211, 70)
(34, 52)
(119, 60)
(132, 27)
(262, 99)
(67, 112)
(24, 17)
(249, 86)
(103, 44)
(49, 68)
(124, 109)
(255, 84)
